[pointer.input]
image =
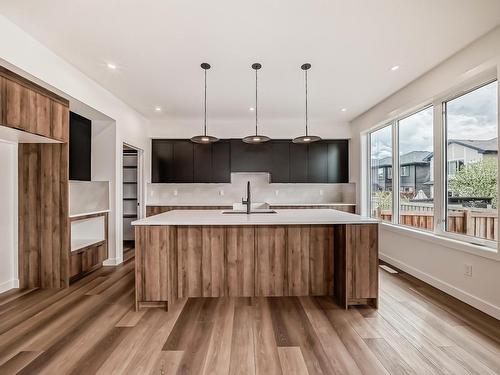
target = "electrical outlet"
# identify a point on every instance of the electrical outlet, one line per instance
(175, 192)
(321, 192)
(468, 270)
(221, 192)
(276, 192)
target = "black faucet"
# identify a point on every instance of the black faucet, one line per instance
(248, 201)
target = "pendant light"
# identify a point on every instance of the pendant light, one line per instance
(205, 138)
(306, 138)
(256, 139)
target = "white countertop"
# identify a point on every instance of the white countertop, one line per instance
(281, 217)
(231, 204)
(88, 213)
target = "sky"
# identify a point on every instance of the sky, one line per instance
(470, 116)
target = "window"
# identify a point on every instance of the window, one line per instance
(461, 189)
(454, 166)
(471, 159)
(416, 206)
(381, 187)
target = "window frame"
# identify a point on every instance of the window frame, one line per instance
(369, 164)
(474, 245)
(445, 170)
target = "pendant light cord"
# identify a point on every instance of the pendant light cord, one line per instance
(205, 120)
(256, 105)
(306, 105)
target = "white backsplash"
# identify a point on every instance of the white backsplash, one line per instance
(88, 196)
(262, 191)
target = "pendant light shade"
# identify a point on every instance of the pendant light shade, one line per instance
(205, 138)
(256, 138)
(306, 138)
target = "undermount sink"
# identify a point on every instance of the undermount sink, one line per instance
(253, 211)
(253, 206)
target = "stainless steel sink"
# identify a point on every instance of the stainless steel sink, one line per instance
(256, 211)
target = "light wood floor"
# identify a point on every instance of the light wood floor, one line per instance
(92, 328)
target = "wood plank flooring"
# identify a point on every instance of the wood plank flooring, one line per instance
(92, 328)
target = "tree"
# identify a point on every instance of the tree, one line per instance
(476, 179)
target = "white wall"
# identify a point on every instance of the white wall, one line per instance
(278, 128)
(437, 262)
(21, 52)
(8, 218)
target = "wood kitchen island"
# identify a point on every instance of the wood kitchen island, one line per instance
(293, 252)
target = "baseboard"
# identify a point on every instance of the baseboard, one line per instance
(112, 262)
(460, 294)
(10, 284)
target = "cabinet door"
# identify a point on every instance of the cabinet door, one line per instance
(338, 161)
(161, 160)
(250, 158)
(43, 119)
(202, 168)
(20, 106)
(59, 121)
(298, 162)
(221, 162)
(183, 161)
(317, 165)
(280, 161)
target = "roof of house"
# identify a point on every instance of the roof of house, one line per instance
(483, 146)
(413, 157)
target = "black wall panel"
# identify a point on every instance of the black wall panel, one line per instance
(80, 144)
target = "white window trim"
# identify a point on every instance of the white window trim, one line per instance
(473, 245)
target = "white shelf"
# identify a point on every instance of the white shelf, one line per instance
(80, 243)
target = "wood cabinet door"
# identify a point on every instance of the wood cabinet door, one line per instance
(59, 121)
(43, 115)
(19, 110)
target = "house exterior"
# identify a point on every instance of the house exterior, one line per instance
(463, 151)
(414, 173)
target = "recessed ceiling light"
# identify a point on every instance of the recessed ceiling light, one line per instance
(111, 66)
(344, 109)
(251, 109)
(158, 109)
(395, 67)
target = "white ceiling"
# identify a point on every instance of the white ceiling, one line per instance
(158, 45)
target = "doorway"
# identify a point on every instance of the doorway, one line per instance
(131, 195)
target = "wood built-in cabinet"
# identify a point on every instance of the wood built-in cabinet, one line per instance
(31, 108)
(43, 222)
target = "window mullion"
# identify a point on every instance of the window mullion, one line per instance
(439, 157)
(395, 173)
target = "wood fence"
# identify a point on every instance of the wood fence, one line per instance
(482, 223)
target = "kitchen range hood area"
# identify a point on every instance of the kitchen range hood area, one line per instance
(249, 188)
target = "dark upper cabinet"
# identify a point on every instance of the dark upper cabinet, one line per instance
(183, 166)
(338, 161)
(250, 158)
(317, 162)
(183, 161)
(280, 161)
(298, 162)
(162, 156)
(202, 166)
(221, 162)
(80, 145)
